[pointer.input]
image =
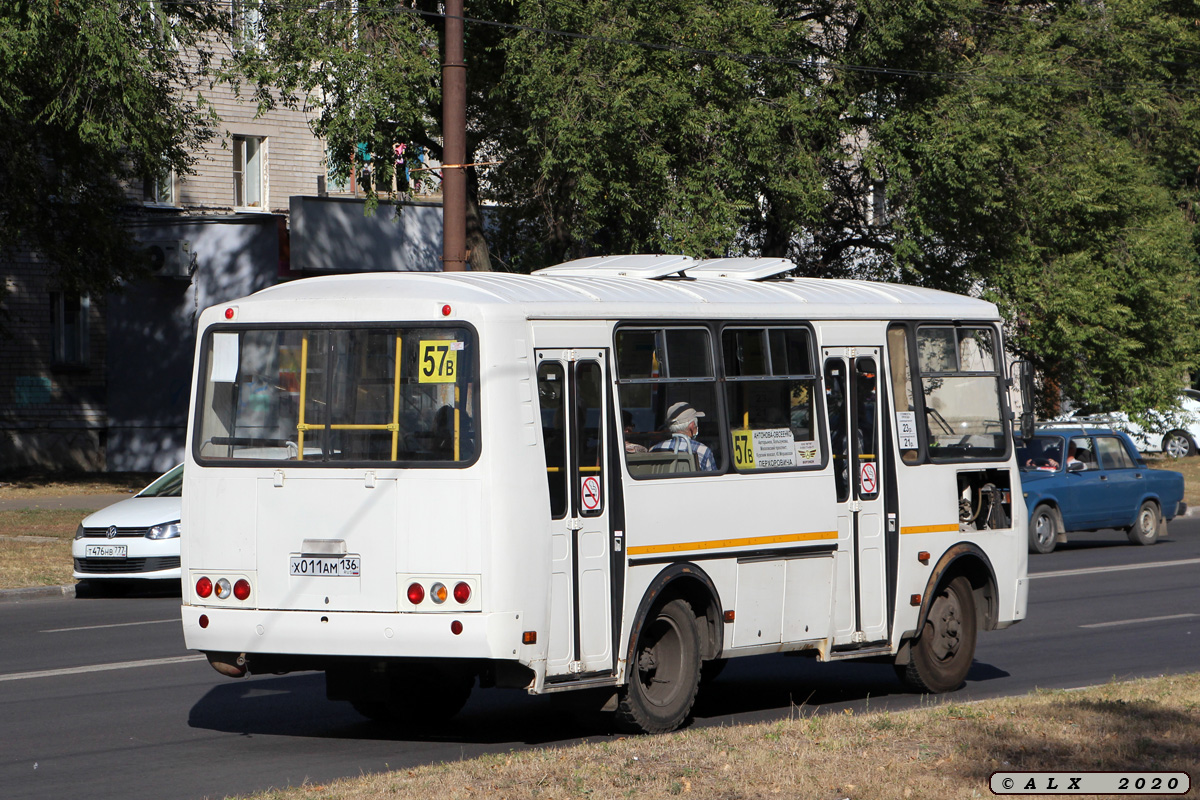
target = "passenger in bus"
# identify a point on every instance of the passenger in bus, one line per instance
(684, 423)
(627, 427)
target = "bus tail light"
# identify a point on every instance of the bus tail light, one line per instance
(462, 592)
(241, 589)
(204, 587)
(416, 593)
(223, 589)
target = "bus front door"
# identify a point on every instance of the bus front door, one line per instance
(571, 388)
(851, 397)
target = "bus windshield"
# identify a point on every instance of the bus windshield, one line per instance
(347, 395)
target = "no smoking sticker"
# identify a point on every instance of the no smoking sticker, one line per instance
(590, 493)
(867, 478)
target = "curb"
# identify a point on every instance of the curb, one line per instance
(36, 593)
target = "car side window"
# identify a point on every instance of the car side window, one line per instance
(1112, 453)
(1080, 450)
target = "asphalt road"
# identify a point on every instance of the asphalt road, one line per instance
(98, 697)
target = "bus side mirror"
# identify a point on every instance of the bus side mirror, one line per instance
(1022, 375)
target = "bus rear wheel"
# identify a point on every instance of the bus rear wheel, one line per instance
(942, 654)
(664, 673)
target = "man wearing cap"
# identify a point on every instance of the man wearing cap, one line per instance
(683, 422)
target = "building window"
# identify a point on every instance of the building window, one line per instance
(247, 24)
(69, 329)
(160, 189)
(249, 160)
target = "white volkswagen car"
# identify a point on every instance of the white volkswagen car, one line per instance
(1175, 433)
(136, 538)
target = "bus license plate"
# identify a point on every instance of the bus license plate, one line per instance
(325, 566)
(105, 551)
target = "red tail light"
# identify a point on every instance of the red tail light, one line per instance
(462, 592)
(204, 587)
(416, 593)
(241, 589)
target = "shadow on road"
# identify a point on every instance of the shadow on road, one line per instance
(750, 689)
(89, 590)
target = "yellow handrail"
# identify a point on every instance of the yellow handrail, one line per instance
(300, 426)
(396, 404)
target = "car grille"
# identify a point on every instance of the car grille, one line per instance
(102, 533)
(109, 566)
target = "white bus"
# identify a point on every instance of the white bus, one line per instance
(613, 474)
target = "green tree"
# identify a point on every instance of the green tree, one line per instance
(95, 96)
(370, 72)
(1052, 165)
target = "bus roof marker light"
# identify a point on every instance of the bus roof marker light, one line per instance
(231, 312)
(447, 310)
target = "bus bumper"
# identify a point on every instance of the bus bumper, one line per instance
(495, 635)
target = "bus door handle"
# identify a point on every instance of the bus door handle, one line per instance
(574, 524)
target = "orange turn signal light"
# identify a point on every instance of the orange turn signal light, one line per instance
(915, 600)
(923, 556)
(729, 615)
(529, 637)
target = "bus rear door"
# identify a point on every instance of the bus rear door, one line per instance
(571, 388)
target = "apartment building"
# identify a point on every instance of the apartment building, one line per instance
(101, 383)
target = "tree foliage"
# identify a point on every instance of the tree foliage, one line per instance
(94, 96)
(1053, 167)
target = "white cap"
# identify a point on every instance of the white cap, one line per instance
(682, 412)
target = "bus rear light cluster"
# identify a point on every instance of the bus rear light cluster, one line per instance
(438, 593)
(222, 588)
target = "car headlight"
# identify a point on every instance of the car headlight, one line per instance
(169, 530)
(79, 531)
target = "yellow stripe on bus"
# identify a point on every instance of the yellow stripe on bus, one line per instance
(930, 529)
(719, 543)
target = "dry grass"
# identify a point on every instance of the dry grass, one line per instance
(1190, 467)
(33, 486)
(35, 546)
(939, 751)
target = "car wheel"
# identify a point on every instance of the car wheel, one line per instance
(1178, 444)
(665, 672)
(1144, 529)
(1043, 530)
(943, 651)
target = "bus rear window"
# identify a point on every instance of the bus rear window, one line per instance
(347, 395)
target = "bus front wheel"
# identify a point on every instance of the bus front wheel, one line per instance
(943, 651)
(664, 674)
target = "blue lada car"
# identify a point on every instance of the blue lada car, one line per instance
(1086, 479)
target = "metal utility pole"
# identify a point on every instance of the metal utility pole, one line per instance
(454, 143)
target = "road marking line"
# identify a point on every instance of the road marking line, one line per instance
(1122, 567)
(1134, 621)
(54, 673)
(113, 625)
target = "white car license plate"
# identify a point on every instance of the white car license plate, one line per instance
(326, 566)
(105, 550)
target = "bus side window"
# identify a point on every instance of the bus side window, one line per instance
(665, 369)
